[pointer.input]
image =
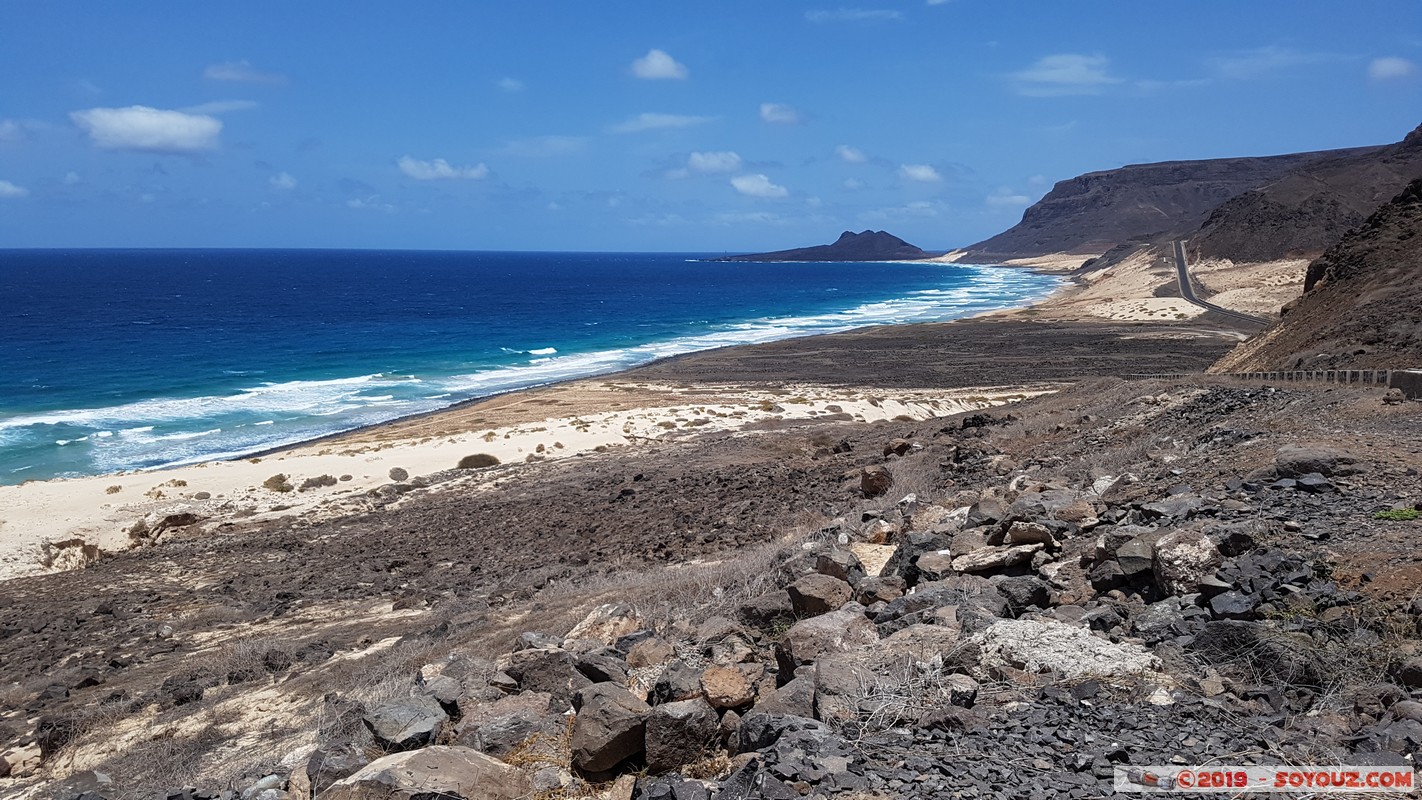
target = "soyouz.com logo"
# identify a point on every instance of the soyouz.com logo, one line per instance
(1265, 779)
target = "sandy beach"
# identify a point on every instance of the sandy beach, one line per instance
(55, 525)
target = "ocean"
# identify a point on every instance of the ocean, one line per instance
(116, 360)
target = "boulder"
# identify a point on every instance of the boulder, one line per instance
(875, 590)
(680, 733)
(649, 653)
(1183, 559)
(934, 566)
(500, 727)
(767, 610)
(842, 681)
(547, 669)
(1293, 461)
(449, 773)
(610, 727)
(759, 731)
(679, 681)
(406, 723)
(818, 594)
(897, 447)
(726, 687)
(601, 666)
(840, 564)
(796, 698)
(1137, 556)
(875, 480)
(837, 631)
(607, 623)
(916, 543)
(1022, 591)
(987, 511)
(1037, 646)
(1030, 533)
(985, 559)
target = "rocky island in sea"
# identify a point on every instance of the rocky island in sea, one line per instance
(850, 246)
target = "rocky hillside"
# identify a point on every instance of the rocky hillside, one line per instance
(1307, 211)
(851, 246)
(1360, 308)
(1119, 575)
(1095, 212)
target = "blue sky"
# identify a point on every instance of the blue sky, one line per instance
(735, 125)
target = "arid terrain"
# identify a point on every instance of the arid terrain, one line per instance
(997, 557)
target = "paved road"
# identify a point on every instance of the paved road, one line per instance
(1187, 291)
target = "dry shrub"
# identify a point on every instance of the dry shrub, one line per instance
(317, 482)
(478, 461)
(277, 483)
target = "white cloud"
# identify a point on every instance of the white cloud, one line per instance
(850, 155)
(1006, 198)
(441, 170)
(369, 203)
(148, 130)
(710, 163)
(1261, 61)
(1390, 68)
(748, 217)
(652, 121)
(853, 184)
(1065, 74)
(543, 146)
(283, 181)
(922, 173)
(758, 186)
(221, 107)
(510, 84)
(242, 72)
(853, 15)
(937, 2)
(71, 178)
(780, 114)
(18, 130)
(915, 210)
(8, 189)
(657, 65)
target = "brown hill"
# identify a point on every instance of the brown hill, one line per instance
(864, 246)
(1095, 212)
(1307, 211)
(1360, 308)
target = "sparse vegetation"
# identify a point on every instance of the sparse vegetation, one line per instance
(115, 489)
(1399, 515)
(478, 461)
(278, 483)
(317, 482)
(399, 474)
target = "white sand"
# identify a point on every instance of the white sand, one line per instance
(37, 519)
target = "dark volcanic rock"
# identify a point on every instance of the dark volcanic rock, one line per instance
(863, 246)
(610, 727)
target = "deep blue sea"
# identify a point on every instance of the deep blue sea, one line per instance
(124, 359)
